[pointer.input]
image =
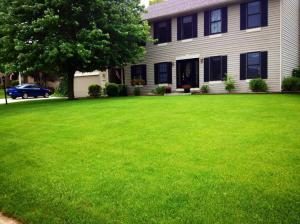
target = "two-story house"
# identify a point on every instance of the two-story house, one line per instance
(200, 41)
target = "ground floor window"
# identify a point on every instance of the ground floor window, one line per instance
(215, 68)
(163, 73)
(139, 75)
(254, 65)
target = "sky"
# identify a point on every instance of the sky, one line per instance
(145, 2)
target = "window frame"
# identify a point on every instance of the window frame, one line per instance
(260, 64)
(213, 22)
(157, 33)
(194, 26)
(211, 65)
(260, 13)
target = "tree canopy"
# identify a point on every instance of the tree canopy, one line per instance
(65, 36)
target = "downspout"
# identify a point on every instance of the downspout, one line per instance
(280, 39)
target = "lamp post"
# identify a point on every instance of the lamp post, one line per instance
(4, 85)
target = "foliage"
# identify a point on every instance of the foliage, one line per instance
(112, 89)
(258, 85)
(229, 83)
(62, 89)
(152, 2)
(137, 82)
(65, 36)
(137, 91)
(14, 82)
(205, 89)
(123, 90)
(296, 72)
(291, 84)
(152, 160)
(95, 90)
(160, 90)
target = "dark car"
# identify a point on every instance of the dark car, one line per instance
(28, 90)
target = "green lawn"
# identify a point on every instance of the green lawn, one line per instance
(187, 159)
(1, 94)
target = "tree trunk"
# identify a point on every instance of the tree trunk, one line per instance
(71, 85)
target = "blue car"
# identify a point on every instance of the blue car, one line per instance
(28, 90)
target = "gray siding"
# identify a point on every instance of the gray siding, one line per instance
(290, 35)
(232, 44)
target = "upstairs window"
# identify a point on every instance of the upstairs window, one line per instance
(162, 31)
(254, 14)
(163, 73)
(254, 65)
(139, 75)
(215, 68)
(187, 27)
(215, 21)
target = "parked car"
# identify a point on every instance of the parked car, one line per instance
(28, 90)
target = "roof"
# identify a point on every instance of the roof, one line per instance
(174, 7)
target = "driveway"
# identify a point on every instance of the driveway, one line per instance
(9, 100)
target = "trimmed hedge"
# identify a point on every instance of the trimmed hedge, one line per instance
(95, 90)
(258, 85)
(291, 84)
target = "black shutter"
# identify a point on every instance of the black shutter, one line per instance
(155, 35)
(243, 66)
(243, 16)
(224, 67)
(144, 75)
(206, 69)
(206, 23)
(264, 18)
(179, 24)
(156, 78)
(195, 25)
(169, 72)
(169, 24)
(264, 64)
(224, 20)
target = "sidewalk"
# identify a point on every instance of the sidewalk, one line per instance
(9, 100)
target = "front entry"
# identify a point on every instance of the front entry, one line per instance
(188, 73)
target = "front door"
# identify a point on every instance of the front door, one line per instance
(188, 73)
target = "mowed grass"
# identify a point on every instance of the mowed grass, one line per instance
(187, 159)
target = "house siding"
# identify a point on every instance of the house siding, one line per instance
(290, 36)
(232, 44)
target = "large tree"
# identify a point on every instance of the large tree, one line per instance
(65, 36)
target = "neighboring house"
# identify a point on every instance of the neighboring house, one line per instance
(200, 41)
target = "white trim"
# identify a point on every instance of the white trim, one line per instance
(163, 44)
(248, 80)
(280, 47)
(179, 89)
(215, 35)
(258, 29)
(215, 82)
(163, 85)
(195, 89)
(188, 56)
(187, 40)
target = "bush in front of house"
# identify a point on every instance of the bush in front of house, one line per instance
(291, 83)
(204, 89)
(112, 89)
(95, 90)
(296, 72)
(258, 85)
(137, 91)
(123, 90)
(14, 83)
(160, 90)
(229, 84)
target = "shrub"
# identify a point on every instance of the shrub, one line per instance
(205, 89)
(168, 89)
(95, 90)
(112, 89)
(161, 90)
(123, 91)
(258, 85)
(137, 91)
(229, 83)
(291, 84)
(62, 89)
(296, 72)
(14, 83)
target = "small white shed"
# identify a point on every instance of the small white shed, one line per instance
(82, 81)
